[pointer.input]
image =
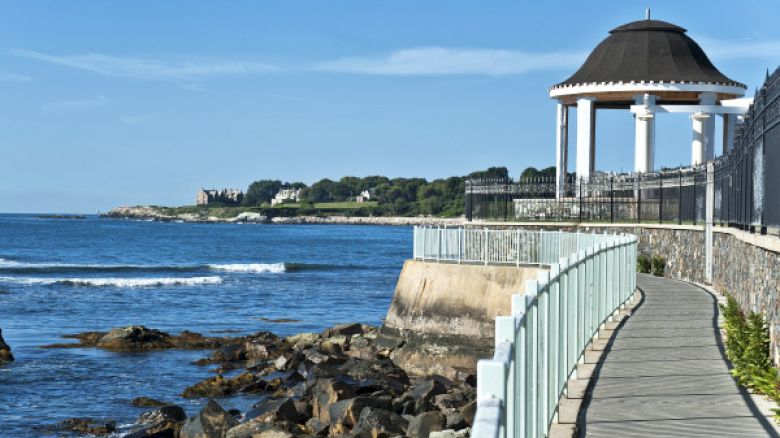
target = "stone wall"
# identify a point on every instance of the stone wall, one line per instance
(745, 265)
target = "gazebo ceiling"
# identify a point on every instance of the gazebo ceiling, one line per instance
(647, 56)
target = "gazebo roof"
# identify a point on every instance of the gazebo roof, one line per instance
(649, 52)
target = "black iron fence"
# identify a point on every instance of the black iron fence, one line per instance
(745, 183)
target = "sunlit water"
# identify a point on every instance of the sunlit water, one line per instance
(66, 276)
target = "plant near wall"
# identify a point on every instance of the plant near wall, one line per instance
(659, 265)
(643, 264)
(747, 347)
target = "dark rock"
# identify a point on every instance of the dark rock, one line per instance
(376, 423)
(449, 400)
(219, 386)
(165, 413)
(317, 427)
(344, 414)
(422, 425)
(343, 330)
(304, 408)
(382, 372)
(163, 429)
(454, 419)
(5, 351)
(88, 426)
(273, 410)
(135, 338)
(211, 422)
(327, 392)
(425, 390)
(331, 348)
(146, 402)
(468, 411)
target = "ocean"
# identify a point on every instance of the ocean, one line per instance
(63, 276)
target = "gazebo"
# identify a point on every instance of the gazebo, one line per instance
(648, 67)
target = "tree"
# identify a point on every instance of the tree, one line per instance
(261, 191)
(491, 173)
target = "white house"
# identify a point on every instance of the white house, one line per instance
(286, 196)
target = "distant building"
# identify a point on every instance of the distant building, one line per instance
(364, 196)
(286, 196)
(224, 196)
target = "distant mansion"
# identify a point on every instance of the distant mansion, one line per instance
(224, 196)
(364, 196)
(285, 196)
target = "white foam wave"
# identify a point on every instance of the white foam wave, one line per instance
(116, 282)
(273, 268)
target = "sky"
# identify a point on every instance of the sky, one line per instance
(144, 102)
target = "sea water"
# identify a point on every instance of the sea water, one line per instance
(61, 276)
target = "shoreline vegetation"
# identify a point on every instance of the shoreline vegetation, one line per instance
(340, 382)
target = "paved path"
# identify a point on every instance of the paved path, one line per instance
(665, 373)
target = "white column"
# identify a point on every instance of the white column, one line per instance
(561, 148)
(729, 126)
(644, 140)
(586, 136)
(703, 144)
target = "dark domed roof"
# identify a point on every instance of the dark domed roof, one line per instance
(648, 50)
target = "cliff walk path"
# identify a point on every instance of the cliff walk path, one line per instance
(665, 373)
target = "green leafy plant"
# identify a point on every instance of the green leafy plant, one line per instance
(643, 264)
(747, 347)
(659, 265)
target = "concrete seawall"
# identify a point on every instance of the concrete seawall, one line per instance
(444, 313)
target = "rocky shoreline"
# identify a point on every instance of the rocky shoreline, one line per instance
(341, 382)
(154, 214)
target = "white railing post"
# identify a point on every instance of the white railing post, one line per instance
(519, 304)
(486, 246)
(543, 318)
(531, 289)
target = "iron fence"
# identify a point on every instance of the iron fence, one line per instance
(743, 182)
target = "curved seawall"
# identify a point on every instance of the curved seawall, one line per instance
(444, 313)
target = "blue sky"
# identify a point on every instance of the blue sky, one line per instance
(143, 102)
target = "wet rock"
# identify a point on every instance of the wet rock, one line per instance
(274, 410)
(468, 411)
(422, 425)
(382, 372)
(146, 402)
(317, 427)
(211, 422)
(375, 423)
(163, 429)
(327, 392)
(166, 413)
(88, 426)
(343, 330)
(425, 390)
(219, 386)
(135, 338)
(5, 351)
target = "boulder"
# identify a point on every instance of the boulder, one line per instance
(327, 392)
(166, 413)
(422, 425)
(451, 433)
(376, 423)
(345, 414)
(303, 339)
(211, 422)
(273, 433)
(454, 419)
(343, 330)
(88, 426)
(424, 392)
(163, 429)
(468, 412)
(135, 338)
(317, 427)
(5, 351)
(146, 402)
(274, 410)
(219, 386)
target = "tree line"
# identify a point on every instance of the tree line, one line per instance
(395, 197)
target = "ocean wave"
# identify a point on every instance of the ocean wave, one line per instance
(115, 282)
(273, 268)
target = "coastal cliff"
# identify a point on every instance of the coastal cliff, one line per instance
(228, 215)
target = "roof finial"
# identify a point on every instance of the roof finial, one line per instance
(647, 14)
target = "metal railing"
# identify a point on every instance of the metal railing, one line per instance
(494, 246)
(539, 346)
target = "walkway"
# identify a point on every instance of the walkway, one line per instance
(665, 373)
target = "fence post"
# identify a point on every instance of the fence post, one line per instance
(486, 247)
(661, 197)
(531, 289)
(438, 246)
(709, 207)
(460, 244)
(519, 304)
(505, 332)
(612, 198)
(424, 232)
(639, 198)
(679, 201)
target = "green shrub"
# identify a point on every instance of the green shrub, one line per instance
(747, 347)
(659, 264)
(643, 264)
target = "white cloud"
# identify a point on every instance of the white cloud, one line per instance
(13, 77)
(723, 49)
(149, 68)
(77, 104)
(445, 61)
